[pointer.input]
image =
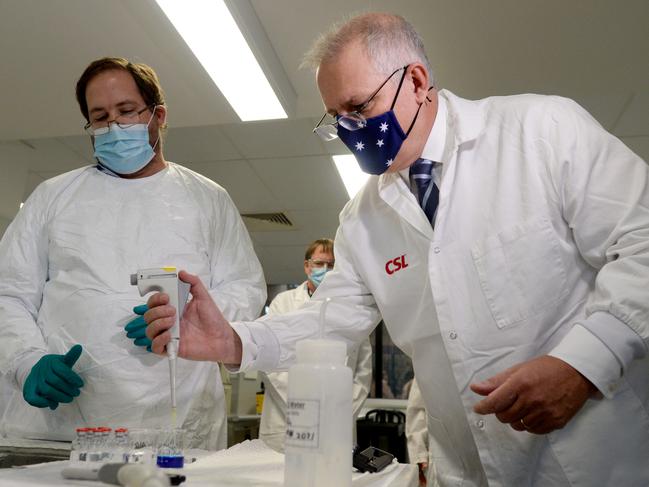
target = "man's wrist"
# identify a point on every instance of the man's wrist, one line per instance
(235, 348)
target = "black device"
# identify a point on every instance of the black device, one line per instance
(371, 459)
(384, 429)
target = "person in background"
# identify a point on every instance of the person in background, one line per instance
(504, 242)
(318, 261)
(417, 433)
(65, 261)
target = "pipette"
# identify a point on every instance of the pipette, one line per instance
(165, 280)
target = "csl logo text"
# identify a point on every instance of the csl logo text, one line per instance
(396, 264)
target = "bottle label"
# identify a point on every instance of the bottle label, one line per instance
(303, 423)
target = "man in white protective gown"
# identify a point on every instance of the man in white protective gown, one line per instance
(504, 242)
(318, 261)
(417, 432)
(65, 262)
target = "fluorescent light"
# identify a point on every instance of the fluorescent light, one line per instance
(21, 205)
(350, 172)
(208, 28)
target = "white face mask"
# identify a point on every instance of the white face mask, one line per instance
(317, 275)
(125, 150)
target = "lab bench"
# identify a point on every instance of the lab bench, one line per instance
(244, 464)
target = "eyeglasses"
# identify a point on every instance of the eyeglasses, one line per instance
(322, 263)
(353, 120)
(124, 120)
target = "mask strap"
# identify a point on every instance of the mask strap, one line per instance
(403, 76)
(416, 114)
(414, 120)
(155, 107)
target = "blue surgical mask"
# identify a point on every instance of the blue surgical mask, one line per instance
(377, 142)
(317, 275)
(124, 150)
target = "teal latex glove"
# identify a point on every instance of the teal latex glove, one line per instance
(52, 380)
(136, 328)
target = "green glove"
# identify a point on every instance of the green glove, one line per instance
(136, 328)
(52, 380)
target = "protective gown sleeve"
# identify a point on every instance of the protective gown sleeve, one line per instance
(23, 275)
(237, 281)
(603, 190)
(269, 343)
(362, 377)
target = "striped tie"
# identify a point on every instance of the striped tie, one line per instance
(428, 194)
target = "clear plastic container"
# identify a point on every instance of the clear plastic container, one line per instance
(319, 417)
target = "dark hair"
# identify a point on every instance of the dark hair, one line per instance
(143, 75)
(326, 243)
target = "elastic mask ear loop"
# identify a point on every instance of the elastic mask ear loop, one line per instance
(147, 126)
(417, 114)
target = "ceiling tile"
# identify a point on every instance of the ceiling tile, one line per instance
(283, 264)
(275, 138)
(308, 226)
(246, 189)
(303, 183)
(81, 145)
(14, 178)
(33, 180)
(198, 144)
(53, 154)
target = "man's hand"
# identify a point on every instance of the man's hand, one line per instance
(538, 396)
(204, 332)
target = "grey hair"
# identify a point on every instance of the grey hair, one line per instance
(390, 41)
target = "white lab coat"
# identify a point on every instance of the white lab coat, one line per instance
(65, 263)
(272, 429)
(543, 222)
(416, 426)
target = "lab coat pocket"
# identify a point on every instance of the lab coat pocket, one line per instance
(520, 271)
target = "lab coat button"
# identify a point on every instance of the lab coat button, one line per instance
(480, 424)
(452, 335)
(437, 250)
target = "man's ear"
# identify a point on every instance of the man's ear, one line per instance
(420, 80)
(161, 115)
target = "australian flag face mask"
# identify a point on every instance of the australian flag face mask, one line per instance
(375, 142)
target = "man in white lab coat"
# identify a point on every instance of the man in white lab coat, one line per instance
(515, 274)
(65, 261)
(318, 261)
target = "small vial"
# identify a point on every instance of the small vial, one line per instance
(94, 440)
(120, 451)
(106, 442)
(79, 450)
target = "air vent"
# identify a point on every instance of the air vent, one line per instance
(267, 222)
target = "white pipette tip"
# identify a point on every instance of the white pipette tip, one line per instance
(172, 381)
